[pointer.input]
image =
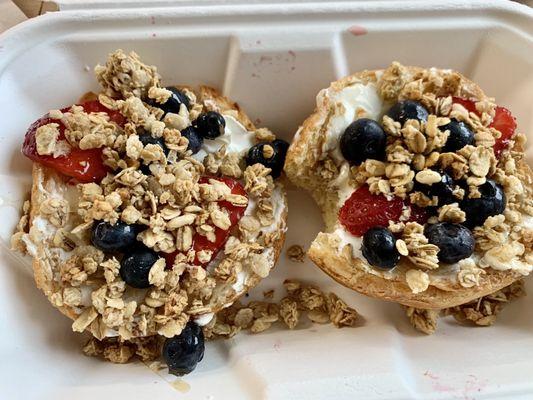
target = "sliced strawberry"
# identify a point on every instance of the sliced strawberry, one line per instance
(506, 124)
(503, 121)
(470, 105)
(364, 210)
(235, 214)
(82, 165)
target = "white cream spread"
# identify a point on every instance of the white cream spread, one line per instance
(347, 238)
(241, 278)
(351, 103)
(278, 203)
(235, 137)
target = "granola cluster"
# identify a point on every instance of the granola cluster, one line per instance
(258, 316)
(255, 317)
(179, 197)
(415, 153)
(480, 312)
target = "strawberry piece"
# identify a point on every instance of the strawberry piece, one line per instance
(503, 121)
(364, 210)
(235, 214)
(506, 124)
(83, 165)
(468, 104)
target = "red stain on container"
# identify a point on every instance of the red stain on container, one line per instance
(357, 30)
(471, 386)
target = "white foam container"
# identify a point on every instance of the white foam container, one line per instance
(272, 58)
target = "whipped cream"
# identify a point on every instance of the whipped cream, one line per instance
(235, 137)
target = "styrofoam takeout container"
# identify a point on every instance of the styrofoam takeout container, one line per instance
(272, 58)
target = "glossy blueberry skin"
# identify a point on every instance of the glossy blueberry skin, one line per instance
(455, 241)
(275, 163)
(173, 104)
(210, 125)
(117, 237)
(491, 202)
(379, 248)
(363, 139)
(183, 352)
(460, 136)
(136, 265)
(147, 138)
(195, 139)
(408, 109)
(281, 145)
(443, 189)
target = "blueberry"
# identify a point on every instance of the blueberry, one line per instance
(491, 202)
(443, 189)
(195, 140)
(183, 352)
(210, 125)
(174, 102)
(454, 241)
(363, 139)
(281, 145)
(379, 248)
(117, 237)
(136, 265)
(275, 162)
(460, 136)
(408, 109)
(147, 138)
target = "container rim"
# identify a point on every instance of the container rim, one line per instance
(70, 21)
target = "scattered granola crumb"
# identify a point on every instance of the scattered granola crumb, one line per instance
(301, 299)
(120, 352)
(483, 311)
(296, 253)
(422, 320)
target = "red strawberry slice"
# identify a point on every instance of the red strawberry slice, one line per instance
(364, 210)
(83, 165)
(235, 214)
(506, 124)
(503, 121)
